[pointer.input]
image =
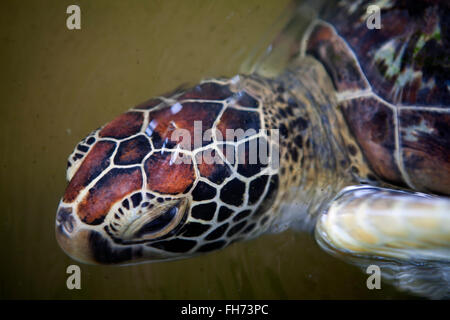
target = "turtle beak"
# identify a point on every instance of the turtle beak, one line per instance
(92, 246)
(73, 240)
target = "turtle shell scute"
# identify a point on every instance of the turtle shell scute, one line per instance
(208, 91)
(95, 162)
(425, 141)
(123, 126)
(182, 124)
(407, 60)
(132, 151)
(373, 125)
(235, 125)
(211, 166)
(167, 175)
(111, 188)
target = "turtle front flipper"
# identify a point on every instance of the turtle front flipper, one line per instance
(406, 234)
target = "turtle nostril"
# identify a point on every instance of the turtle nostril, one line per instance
(65, 219)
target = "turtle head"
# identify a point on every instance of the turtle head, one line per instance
(162, 182)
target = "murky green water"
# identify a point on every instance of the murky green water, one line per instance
(57, 85)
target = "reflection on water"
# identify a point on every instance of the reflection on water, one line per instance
(57, 85)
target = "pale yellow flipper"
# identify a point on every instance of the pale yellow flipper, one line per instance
(406, 233)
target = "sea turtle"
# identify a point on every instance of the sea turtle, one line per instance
(351, 142)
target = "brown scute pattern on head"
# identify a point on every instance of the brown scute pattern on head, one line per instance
(165, 176)
(193, 229)
(256, 189)
(270, 196)
(208, 91)
(123, 126)
(246, 100)
(228, 152)
(373, 125)
(251, 163)
(215, 171)
(132, 151)
(203, 191)
(217, 232)
(164, 122)
(97, 160)
(145, 174)
(326, 46)
(77, 156)
(238, 119)
(414, 32)
(224, 213)
(220, 183)
(233, 192)
(111, 188)
(425, 142)
(204, 211)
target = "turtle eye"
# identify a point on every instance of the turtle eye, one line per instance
(158, 223)
(149, 222)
